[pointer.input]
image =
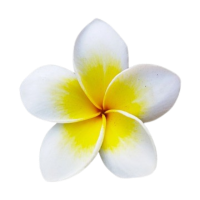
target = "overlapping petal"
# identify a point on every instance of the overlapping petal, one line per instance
(145, 91)
(99, 55)
(69, 148)
(53, 93)
(127, 150)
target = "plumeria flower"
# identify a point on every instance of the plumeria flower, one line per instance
(101, 107)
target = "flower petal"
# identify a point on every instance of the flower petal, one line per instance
(127, 150)
(145, 91)
(69, 148)
(99, 55)
(53, 93)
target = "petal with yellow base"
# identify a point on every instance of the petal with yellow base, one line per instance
(145, 91)
(53, 93)
(99, 55)
(127, 150)
(69, 148)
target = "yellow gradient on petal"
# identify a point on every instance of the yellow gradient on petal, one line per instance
(83, 136)
(95, 75)
(125, 94)
(119, 128)
(69, 99)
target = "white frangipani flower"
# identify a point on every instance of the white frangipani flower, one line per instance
(99, 108)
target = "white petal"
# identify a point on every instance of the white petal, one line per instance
(99, 55)
(53, 93)
(145, 91)
(127, 150)
(69, 148)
